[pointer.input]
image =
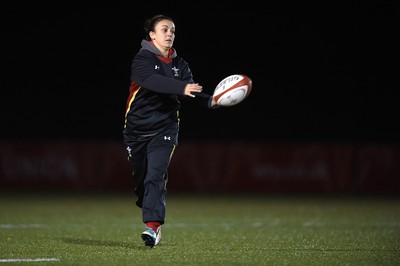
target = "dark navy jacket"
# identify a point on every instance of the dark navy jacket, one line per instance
(156, 91)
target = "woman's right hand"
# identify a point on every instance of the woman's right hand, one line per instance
(192, 88)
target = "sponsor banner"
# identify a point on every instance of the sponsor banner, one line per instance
(271, 167)
(208, 167)
(376, 169)
(76, 165)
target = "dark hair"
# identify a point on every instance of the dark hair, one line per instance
(150, 24)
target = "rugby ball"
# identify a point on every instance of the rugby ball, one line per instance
(232, 90)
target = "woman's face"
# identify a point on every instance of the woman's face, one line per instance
(164, 34)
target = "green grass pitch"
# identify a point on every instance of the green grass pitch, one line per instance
(104, 229)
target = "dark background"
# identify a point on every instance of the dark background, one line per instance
(321, 72)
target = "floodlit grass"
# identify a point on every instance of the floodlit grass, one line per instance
(104, 229)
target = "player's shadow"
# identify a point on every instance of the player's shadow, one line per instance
(104, 243)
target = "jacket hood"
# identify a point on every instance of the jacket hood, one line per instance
(146, 45)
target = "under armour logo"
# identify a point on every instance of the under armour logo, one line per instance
(129, 151)
(167, 138)
(156, 67)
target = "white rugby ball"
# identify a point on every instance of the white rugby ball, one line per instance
(232, 90)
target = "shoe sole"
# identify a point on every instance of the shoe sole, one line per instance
(148, 240)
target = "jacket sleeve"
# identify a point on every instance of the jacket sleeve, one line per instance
(202, 99)
(144, 74)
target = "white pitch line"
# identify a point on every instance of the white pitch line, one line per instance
(29, 260)
(11, 226)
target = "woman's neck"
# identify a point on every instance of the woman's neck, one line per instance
(164, 52)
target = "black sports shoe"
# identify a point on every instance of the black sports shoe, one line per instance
(150, 237)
